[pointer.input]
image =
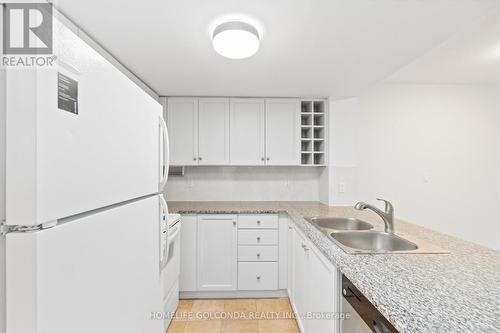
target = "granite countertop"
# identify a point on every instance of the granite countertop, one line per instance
(455, 292)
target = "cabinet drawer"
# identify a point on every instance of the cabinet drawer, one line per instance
(257, 275)
(258, 221)
(258, 253)
(257, 237)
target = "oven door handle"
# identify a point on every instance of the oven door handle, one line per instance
(163, 219)
(175, 233)
(170, 240)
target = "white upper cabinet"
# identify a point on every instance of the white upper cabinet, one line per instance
(282, 131)
(247, 136)
(213, 132)
(246, 131)
(183, 130)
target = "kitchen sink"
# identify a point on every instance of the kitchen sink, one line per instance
(372, 242)
(339, 223)
(357, 237)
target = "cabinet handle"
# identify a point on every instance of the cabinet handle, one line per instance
(258, 277)
(262, 159)
(258, 239)
(199, 158)
(234, 223)
(268, 158)
(258, 255)
(258, 222)
(194, 158)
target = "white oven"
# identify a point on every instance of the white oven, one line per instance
(171, 266)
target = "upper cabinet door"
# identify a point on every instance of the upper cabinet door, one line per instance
(213, 134)
(247, 131)
(182, 115)
(282, 131)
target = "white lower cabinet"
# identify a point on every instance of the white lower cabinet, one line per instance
(189, 248)
(299, 279)
(290, 259)
(257, 253)
(322, 294)
(229, 255)
(258, 275)
(315, 288)
(257, 237)
(217, 252)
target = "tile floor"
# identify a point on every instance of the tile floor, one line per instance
(269, 315)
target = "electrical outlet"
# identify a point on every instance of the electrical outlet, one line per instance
(425, 178)
(341, 187)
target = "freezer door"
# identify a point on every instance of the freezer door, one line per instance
(97, 274)
(65, 160)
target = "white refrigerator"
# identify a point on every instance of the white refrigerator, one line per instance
(84, 158)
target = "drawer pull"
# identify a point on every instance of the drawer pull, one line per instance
(258, 255)
(258, 221)
(258, 277)
(258, 239)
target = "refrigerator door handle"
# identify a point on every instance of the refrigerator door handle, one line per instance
(166, 157)
(163, 215)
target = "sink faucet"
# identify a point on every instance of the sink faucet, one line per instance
(387, 215)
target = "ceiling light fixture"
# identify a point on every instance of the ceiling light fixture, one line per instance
(235, 40)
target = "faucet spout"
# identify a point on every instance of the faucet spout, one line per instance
(387, 215)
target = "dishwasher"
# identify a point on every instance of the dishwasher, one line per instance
(361, 315)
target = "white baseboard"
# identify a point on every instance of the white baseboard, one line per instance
(297, 318)
(233, 294)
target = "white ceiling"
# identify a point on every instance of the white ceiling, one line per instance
(309, 47)
(470, 57)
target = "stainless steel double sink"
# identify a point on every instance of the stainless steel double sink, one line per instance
(356, 236)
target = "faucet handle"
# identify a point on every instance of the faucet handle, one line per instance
(389, 208)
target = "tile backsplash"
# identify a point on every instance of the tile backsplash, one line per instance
(205, 183)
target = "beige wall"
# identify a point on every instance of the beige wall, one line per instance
(434, 150)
